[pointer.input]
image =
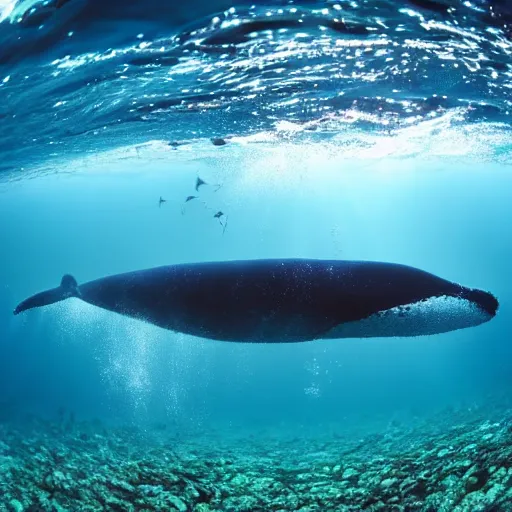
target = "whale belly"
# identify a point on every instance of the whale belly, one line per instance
(431, 316)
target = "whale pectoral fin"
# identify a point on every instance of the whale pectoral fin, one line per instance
(68, 288)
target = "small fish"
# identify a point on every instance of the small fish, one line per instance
(162, 200)
(200, 182)
(220, 215)
(189, 198)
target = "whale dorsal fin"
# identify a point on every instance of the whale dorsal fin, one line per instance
(69, 286)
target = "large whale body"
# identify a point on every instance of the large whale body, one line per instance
(284, 300)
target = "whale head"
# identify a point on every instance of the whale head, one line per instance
(429, 316)
(485, 301)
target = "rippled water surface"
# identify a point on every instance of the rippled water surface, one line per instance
(83, 76)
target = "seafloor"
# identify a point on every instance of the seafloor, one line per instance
(452, 462)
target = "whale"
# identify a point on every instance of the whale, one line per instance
(283, 300)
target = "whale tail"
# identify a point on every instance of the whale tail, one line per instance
(68, 288)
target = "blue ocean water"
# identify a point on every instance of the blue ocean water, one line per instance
(373, 130)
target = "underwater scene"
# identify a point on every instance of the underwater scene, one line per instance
(255, 256)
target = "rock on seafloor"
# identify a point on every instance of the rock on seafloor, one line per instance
(434, 466)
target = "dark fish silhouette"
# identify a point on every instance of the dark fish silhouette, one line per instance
(162, 200)
(199, 182)
(219, 215)
(189, 198)
(284, 300)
